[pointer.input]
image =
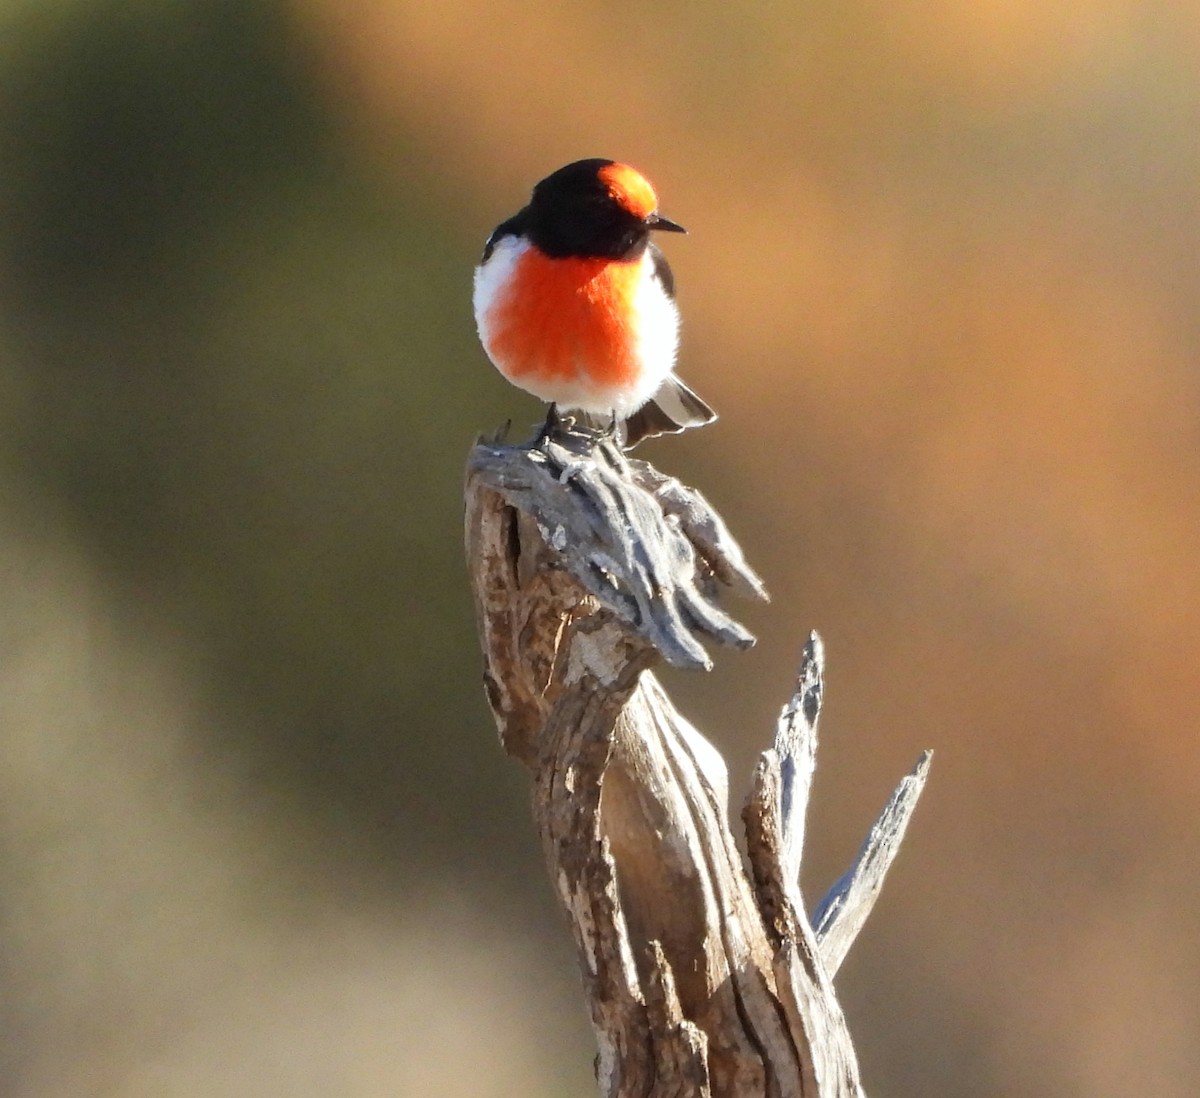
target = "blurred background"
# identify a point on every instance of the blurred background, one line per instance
(257, 836)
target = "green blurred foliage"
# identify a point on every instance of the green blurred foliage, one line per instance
(239, 368)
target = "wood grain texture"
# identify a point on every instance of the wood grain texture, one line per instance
(588, 569)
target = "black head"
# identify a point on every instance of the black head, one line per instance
(596, 209)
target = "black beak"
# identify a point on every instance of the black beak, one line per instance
(654, 221)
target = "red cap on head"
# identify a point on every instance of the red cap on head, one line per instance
(630, 189)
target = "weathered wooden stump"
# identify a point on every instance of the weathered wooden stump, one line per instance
(589, 568)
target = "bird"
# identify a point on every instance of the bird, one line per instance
(576, 305)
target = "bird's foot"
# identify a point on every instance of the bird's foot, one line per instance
(572, 432)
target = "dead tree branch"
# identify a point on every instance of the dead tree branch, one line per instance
(589, 568)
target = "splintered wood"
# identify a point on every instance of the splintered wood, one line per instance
(702, 979)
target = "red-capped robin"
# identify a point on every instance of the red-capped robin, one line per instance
(575, 305)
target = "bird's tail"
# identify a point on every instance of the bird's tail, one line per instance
(673, 408)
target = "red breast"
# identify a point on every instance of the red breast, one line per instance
(559, 318)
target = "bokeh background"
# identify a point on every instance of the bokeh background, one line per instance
(257, 837)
